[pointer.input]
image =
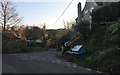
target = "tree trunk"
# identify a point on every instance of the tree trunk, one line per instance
(4, 25)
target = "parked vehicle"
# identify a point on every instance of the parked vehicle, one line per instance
(77, 50)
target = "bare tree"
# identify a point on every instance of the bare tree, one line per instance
(8, 14)
(68, 24)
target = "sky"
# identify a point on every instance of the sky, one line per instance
(38, 12)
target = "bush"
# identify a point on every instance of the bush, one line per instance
(107, 13)
(107, 60)
(82, 27)
(12, 46)
(113, 34)
(103, 50)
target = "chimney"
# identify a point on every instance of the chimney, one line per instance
(79, 12)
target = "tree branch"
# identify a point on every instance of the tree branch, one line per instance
(8, 14)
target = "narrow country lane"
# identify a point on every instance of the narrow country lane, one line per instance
(39, 62)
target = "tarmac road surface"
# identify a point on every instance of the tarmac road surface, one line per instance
(39, 62)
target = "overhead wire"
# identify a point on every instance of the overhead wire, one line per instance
(63, 13)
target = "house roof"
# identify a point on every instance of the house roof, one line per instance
(89, 5)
